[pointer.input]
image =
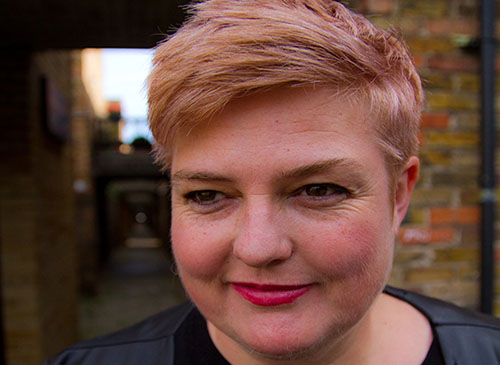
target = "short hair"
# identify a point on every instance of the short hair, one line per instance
(232, 48)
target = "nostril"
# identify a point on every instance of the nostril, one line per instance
(275, 262)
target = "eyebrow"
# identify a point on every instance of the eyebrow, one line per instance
(199, 176)
(351, 169)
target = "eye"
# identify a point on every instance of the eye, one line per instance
(322, 190)
(317, 196)
(204, 197)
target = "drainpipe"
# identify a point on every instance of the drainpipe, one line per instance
(2, 328)
(488, 136)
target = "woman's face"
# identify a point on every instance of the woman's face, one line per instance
(283, 223)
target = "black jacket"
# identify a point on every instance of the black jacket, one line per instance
(466, 338)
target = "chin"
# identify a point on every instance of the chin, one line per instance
(289, 350)
(288, 355)
(274, 345)
(278, 350)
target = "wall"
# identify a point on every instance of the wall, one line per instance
(87, 103)
(438, 251)
(36, 213)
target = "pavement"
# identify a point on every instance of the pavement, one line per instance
(138, 282)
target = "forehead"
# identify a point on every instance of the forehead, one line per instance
(280, 111)
(281, 129)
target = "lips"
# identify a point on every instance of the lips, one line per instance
(270, 295)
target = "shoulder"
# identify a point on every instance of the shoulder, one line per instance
(147, 342)
(441, 313)
(465, 336)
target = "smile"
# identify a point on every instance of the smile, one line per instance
(270, 295)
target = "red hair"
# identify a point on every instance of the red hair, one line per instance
(228, 49)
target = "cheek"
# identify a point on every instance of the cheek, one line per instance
(350, 250)
(199, 250)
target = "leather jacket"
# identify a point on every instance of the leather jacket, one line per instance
(465, 337)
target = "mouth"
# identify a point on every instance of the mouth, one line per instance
(270, 295)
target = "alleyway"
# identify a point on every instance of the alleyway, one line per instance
(137, 284)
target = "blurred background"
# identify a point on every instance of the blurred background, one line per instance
(85, 214)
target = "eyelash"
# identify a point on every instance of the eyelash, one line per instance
(334, 189)
(194, 196)
(332, 192)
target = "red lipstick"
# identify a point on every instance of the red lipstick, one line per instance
(270, 295)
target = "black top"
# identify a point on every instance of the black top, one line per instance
(435, 355)
(463, 338)
(193, 345)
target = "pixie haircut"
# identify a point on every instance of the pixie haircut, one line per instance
(233, 48)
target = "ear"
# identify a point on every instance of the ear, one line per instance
(405, 182)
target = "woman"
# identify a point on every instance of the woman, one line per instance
(289, 128)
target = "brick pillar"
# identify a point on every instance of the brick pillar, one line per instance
(38, 251)
(18, 214)
(84, 119)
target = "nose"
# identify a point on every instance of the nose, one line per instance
(261, 240)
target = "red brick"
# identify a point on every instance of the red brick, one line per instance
(453, 26)
(454, 63)
(462, 215)
(418, 60)
(435, 120)
(425, 235)
(421, 139)
(379, 6)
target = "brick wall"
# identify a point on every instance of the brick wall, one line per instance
(83, 122)
(36, 213)
(439, 244)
